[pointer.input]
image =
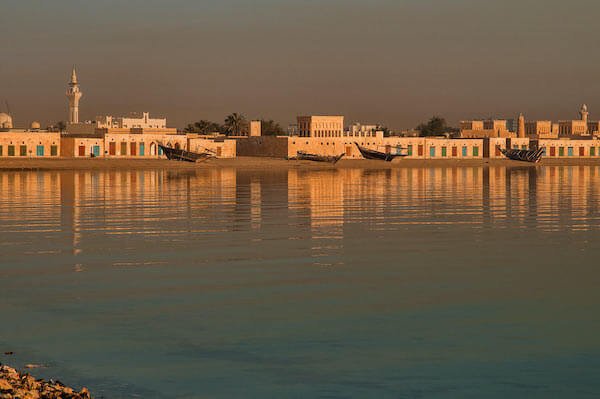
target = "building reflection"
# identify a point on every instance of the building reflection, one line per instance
(323, 205)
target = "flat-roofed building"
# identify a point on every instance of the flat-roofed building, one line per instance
(359, 130)
(320, 126)
(485, 128)
(572, 128)
(134, 120)
(29, 144)
(541, 129)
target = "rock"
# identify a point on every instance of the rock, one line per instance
(5, 386)
(84, 393)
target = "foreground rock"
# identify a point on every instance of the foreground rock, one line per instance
(15, 385)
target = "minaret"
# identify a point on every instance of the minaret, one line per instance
(521, 128)
(584, 116)
(73, 94)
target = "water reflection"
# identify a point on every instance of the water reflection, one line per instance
(166, 203)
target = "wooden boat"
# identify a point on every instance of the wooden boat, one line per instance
(182, 155)
(523, 155)
(372, 154)
(305, 156)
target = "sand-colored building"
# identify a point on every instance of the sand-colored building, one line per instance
(540, 129)
(29, 144)
(320, 126)
(484, 128)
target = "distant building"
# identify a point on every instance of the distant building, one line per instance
(358, 130)
(578, 127)
(540, 129)
(6, 121)
(254, 129)
(320, 126)
(292, 130)
(134, 120)
(484, 128)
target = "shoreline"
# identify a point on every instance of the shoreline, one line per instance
(15, 384)
(258, 163)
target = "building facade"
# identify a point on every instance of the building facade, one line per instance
(320, 126)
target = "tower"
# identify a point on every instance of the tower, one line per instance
(521, 129)
(584, 116)
(73, 94)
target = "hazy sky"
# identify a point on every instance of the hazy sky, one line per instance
(393, 62)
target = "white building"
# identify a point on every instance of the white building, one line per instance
(134, 120)
(359, 130)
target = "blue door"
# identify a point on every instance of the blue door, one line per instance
(142, 148)
(464, 151)
(570, 151)
(96, 150)
(432, 152)
(40, 151)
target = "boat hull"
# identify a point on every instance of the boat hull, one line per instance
(523, 155)
(378, 155)
(304, 156)
(182, 155)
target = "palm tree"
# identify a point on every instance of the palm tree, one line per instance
(203, 126)
(234, 124)
(61, 126)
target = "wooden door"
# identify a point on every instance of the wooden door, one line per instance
(454, 151)
(133, 149)
(82, 151)
(112, 148)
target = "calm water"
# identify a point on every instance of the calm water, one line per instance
(434, 283)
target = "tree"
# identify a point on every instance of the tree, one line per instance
(271, 128)
(61, 126)
(234, 124)
(436, 126)
(204, 126)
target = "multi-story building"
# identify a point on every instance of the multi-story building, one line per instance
(541, 129)
(485, 128)
(320, 126)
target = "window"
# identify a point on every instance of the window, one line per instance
(561, 151)
(409, 150)
(432, 152)
(475, 151)
(444, 151)
(464, 151)
(570, 151)
(23, 150)
(40, 151)
(11, 150)
(53, 150)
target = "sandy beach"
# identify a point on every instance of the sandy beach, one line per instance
(261, 163)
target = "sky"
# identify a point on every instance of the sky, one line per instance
(395, 62)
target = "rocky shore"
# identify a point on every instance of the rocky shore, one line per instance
(16, 385)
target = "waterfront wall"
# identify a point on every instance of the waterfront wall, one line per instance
(30, 144)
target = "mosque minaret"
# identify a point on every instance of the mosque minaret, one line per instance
(74, 95)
